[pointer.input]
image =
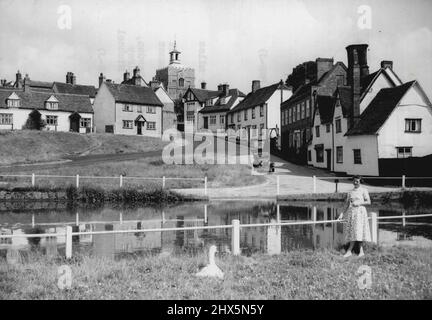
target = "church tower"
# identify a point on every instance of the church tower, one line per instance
(176, 77)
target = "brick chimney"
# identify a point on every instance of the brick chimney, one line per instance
(18, 79)
(361, 50)
(154, 84)
(354, 80)
(323, 65)
(255, 85)
(137, 77)
(220, 87)
(126, 76)
(26, 83)
(387, 64)
(203, 85)
(101, 79)
(225, 90)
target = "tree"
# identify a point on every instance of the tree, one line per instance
(34, 121)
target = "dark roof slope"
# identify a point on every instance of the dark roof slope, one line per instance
(345, 99)
(203, 95)
(36, 100)
(87, 90)
(380, 108)
(325, 106)
(219, 106)
(300, 93)
(133, 94)
(258, 97)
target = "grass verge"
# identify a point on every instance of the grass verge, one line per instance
(397, 273)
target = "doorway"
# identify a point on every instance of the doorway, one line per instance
(205, 122)
(329, 159)
(139, 127)
(74, 119)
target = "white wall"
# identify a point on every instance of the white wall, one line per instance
(380, 83)
(149, 117)
(369, 154)
(103, 109)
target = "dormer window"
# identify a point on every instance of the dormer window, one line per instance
(209, 102)
(13, 101)
(51, 103)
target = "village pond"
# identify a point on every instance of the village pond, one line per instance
(53, 218)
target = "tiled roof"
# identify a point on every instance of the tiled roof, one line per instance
(258, 97)
(325, 106)
(379, 109)
(345, 99)
(60, 87)
(133, 94)
(218, 107)
(36, 100)
(300, 93)
(367, 80)
(131, 81)
(203, 95)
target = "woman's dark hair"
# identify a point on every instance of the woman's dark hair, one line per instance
(357, 177)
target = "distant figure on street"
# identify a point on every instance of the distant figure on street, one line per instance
(355, 214)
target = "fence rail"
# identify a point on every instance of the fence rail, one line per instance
(235, 227)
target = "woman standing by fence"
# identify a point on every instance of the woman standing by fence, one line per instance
(357, 224)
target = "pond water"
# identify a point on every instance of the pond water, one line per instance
(52, 218)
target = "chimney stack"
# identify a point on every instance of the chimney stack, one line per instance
(203, 85)
(101, 79)
(136, 72)
(3, 82)
(361, 50)
(154, 84)
(387, 64)
(323, 65)
(225, 89)
(126, 76)
(26, 83)
(18, 79)
(220, 87)
(354, 79)
(255, 85)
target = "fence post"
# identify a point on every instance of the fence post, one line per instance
(77, 219)
(277, 185)
(403, 182)
(205, 214)
(68, 242)
(77, 181)
(121, 181)
(205, 185)
(374, 227)
(33, 221)
(314, 213)
(235, 246)
(163, 182)
(314, 184)
(33, 180)
(121, 218)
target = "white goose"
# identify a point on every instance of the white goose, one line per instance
(211, 270)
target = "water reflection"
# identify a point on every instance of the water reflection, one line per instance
(271, 240)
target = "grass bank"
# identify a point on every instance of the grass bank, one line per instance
(29, 146)
(397, 273)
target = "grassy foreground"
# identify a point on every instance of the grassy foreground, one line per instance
(397, 273)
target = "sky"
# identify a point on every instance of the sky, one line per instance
(225, 41)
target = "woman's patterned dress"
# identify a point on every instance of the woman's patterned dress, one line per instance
(357, 226)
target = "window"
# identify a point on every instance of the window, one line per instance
(85, 122)
(51, 120)
(212, 119)
(51, 105)
(404, 152)
(221, 119)
(127, 108)
(151, 109)
(190, 116)
(139, 109)
(289, 115)
(339, 154)
(6, 118)
(181, 82)
(307, 109)
(238, 116)
(298, 112)
(340, 80)
(412, 125)
(294, 111)
(13, 103)
(245, 114)
(328, 127)
(338, 125)
(151, 125)
(303, 111)
(253, 113)
(357, 156)
(261, 111)
(261, 129)
(317, 131)
(283, 117)
(127, 124)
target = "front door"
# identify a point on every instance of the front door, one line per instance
(139, 127)
(329, 159)
(205, 122)
(74, 122)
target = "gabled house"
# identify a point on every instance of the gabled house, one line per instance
(260, 109)
(61, 112)
(194, 100)
(214, 115)
(71, 87)
(128, 109)
(360, 130)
